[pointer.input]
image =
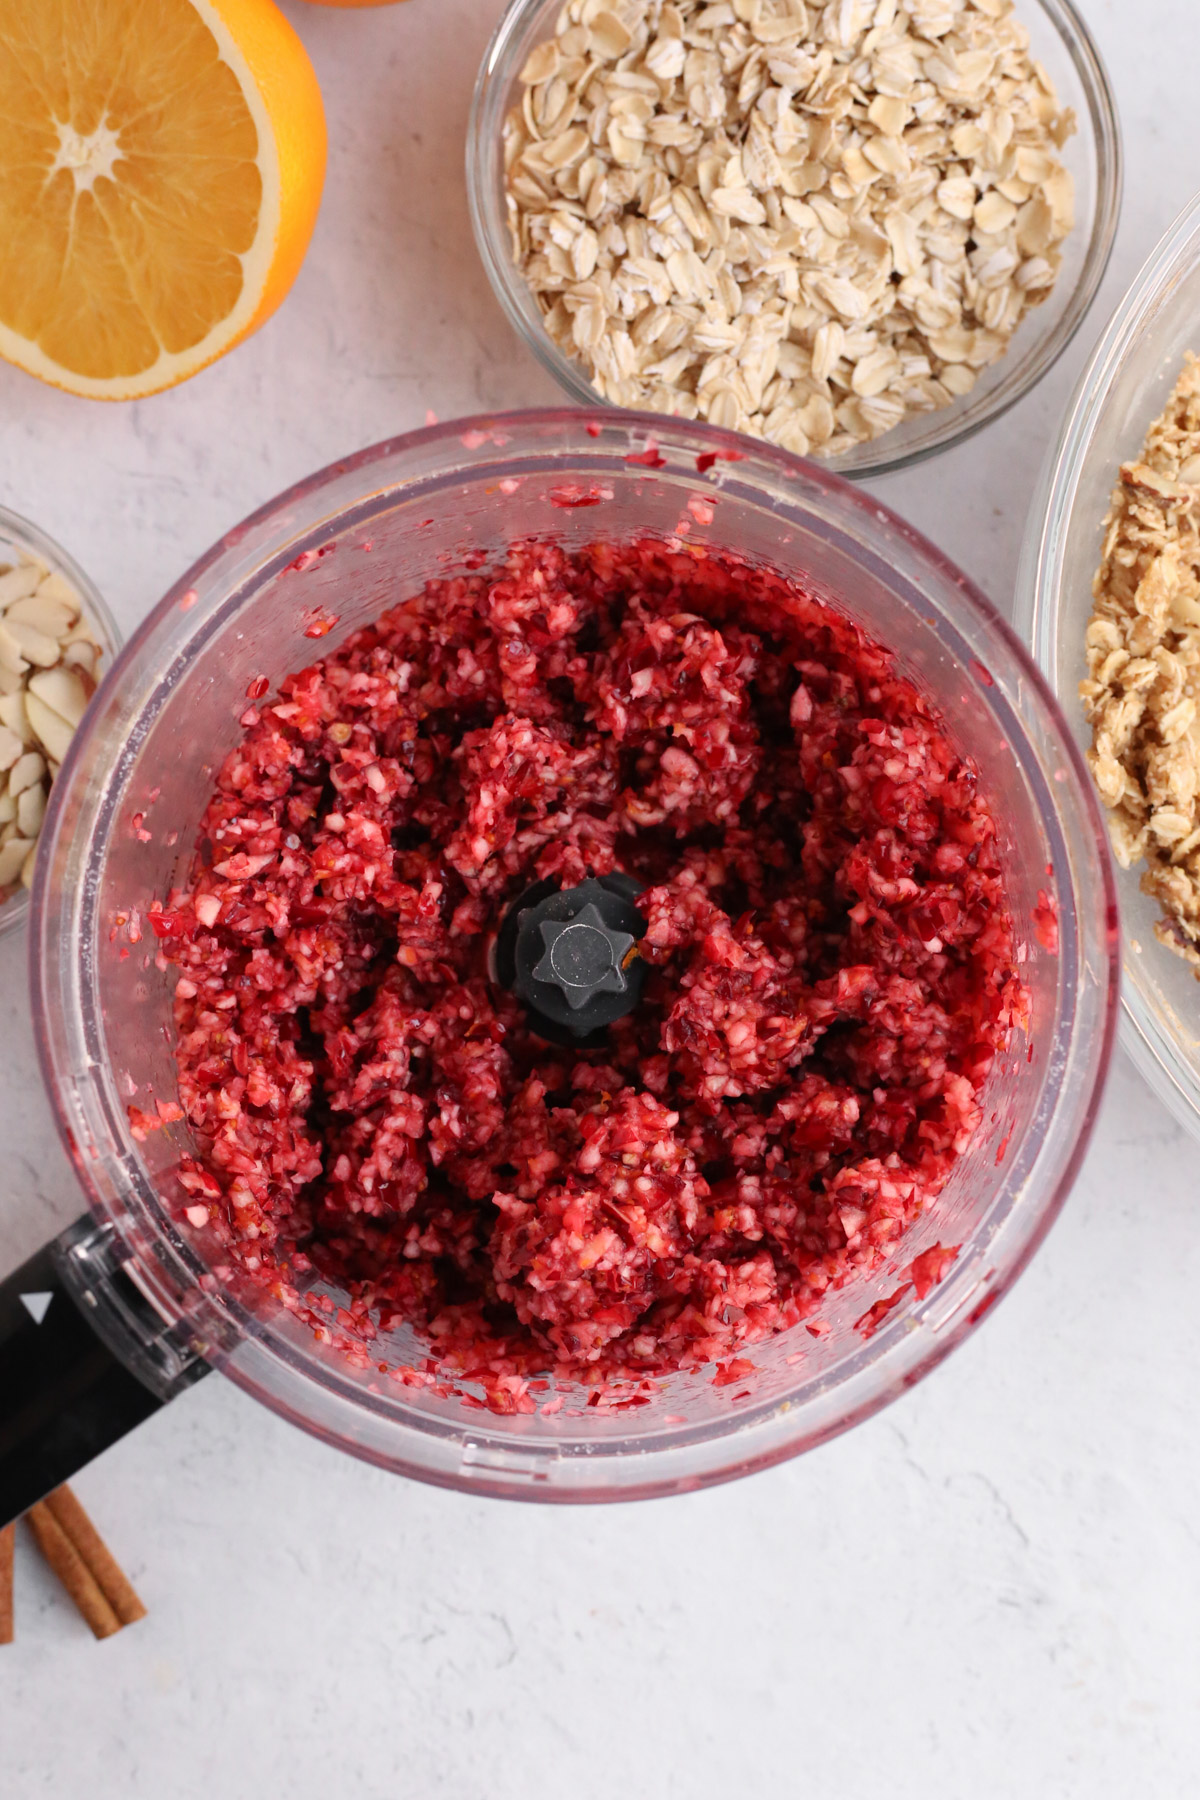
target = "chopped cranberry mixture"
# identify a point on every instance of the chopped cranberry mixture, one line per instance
(831, 967)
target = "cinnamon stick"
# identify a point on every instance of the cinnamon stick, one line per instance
(103, 1566)
(7, 1535)
(72, 1571)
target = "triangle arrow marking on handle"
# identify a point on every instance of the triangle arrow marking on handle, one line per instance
(36, 1305)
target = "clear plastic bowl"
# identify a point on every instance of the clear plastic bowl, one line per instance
(19, 540)
(1122, 392)
(416, 508)
(1062, 43)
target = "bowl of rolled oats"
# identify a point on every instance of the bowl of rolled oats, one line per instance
(1109, 599)
(57, 638)
(859, 229)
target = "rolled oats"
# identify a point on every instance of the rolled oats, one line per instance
(1142, 692)
(807, 219)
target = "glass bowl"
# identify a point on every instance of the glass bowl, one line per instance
(121, 827)
(19, 539)
(1062, 43)
(1121, 393)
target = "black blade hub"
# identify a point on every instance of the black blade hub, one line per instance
(570, 955)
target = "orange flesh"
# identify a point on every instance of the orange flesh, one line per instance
(136, 249)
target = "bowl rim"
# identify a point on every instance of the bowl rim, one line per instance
(872, 458)
(18, 530)
(1151, 1045)
(893, 1344)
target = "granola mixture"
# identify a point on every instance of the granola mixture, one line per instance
(803, 219)
(832, 968)
(1143, 655)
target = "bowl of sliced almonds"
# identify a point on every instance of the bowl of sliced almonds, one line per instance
(859, 229)
(57, 637)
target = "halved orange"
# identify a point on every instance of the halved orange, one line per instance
(161, 165)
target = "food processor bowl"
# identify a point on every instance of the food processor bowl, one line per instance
(330, 556)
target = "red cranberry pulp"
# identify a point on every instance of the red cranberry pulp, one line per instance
(830, 969)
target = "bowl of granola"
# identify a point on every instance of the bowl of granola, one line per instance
(1109, 599)
(858, 231)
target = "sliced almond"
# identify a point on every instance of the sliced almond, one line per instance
(51, 729)
(11, 747)
(50, 616)
(10, 654)
(27, 867)
(80, 633)
(8, 810)
(55, 586)
(12, 714)
(62, 691)
(32, 644)
(12, 858)
(31, 810)
(26, 772)
(17, 583)
(82, 656)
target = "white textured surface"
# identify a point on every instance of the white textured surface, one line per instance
(990, 1590)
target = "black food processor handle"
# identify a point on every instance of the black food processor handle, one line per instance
(84, 1357)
